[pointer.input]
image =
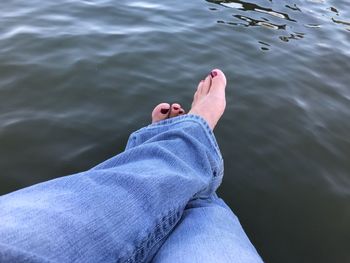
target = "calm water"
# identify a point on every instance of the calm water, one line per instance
(76, 77)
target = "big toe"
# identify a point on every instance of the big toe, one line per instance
(218, 82)
(160, 112)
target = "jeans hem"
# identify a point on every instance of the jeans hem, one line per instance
(188, 118)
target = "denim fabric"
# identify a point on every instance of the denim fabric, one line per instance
(124, 209)
(208, 232)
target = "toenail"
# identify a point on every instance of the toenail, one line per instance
(164, 111)
(213, 74)
(175, 108)
(181, 112)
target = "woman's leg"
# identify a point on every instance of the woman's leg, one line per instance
(208, 232)
(123, 209)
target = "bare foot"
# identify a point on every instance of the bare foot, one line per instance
(209, 100)
(163, 111)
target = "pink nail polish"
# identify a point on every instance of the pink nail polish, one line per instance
(164, 111)
(213, 74)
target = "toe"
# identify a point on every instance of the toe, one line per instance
(160, 112)
(182, 111)
(200, 85)
(195, 98)
(218, 82)
(174, 110)
(206, 85)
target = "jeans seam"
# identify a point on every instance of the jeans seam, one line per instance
(156, 240)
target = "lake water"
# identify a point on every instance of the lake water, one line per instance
(77, 77)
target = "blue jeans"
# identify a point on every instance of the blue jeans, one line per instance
(155, 202)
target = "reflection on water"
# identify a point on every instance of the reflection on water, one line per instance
(245, 6)
(292, 36)
(285, 21)
(340, 22)
(294, 7)
(256, 22)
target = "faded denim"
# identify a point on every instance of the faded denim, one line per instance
(155, 202)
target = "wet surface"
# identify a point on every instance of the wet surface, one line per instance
(76, 78)
(293, 19)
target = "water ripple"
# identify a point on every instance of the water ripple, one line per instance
(295, 27)
(246, 6)
(77, 77)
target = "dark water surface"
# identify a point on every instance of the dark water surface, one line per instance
(76, 77)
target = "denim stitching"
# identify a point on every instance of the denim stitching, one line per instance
(217, 169)
(152, 239)
(174, 215)
(190, 118)
(134, 255)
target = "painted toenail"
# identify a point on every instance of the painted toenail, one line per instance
(175, 108)
(213, 74)
(164, 111)
(181, 112)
